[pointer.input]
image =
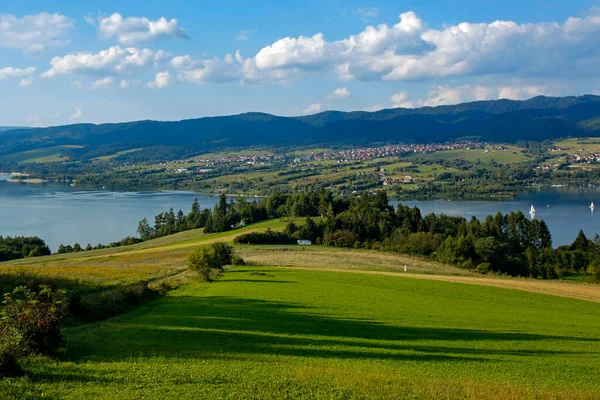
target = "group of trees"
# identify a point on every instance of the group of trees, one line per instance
(230, 214)
(12, 248)
(511, 243)
(76, 248)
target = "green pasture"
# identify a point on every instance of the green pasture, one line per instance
(288, 333)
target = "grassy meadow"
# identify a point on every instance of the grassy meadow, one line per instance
(313, 322)
(318, 334)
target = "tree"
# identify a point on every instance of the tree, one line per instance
(144, 230)
(202, 261)
(581, 242)
(208, 260)
(223, 254)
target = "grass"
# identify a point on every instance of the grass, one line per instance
(319, 334)
(47, 154)
(115, 155)
(512, 154)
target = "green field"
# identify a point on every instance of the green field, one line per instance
(311, 322)
(511, 154)
(48, 154)
(306, 334)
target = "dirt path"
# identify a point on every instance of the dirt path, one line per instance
(562, 289)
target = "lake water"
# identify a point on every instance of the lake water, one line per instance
(62, 214)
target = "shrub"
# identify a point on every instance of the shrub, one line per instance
(9, 351)
(36, 317)
(203, 261)
(484, 268)
(223, 254)
(341, 239)
(268, 237)
(237, 261)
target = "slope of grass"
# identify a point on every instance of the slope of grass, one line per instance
(307, 334)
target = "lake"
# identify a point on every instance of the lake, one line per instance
(62, 214)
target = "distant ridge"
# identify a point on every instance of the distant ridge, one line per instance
(538, 119)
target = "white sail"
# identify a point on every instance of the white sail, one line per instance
(532, 211)
(592, 206)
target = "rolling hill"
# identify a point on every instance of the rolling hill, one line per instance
(537, 119)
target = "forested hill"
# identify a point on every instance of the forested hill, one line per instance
(536, 119)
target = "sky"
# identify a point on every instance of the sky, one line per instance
(65, 62)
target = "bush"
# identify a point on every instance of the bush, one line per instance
(237, 261)
(36, 317)
(9, 351)
(341, 239)
(223, 254)
(268, 237)
(203, 261)
(484, 268)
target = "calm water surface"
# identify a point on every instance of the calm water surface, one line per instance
(62, 214)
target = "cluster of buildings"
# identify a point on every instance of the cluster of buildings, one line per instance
(370, 153)
(584, 159)
(249, 159)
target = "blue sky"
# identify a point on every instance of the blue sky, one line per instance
(108, 61)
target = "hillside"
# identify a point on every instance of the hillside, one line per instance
(536, 119)
(305, 322)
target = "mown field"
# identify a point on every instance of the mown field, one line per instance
(308, 334)
(316, 322)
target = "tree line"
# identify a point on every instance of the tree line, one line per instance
(12, 248)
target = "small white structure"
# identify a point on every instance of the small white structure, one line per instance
(405, 268)
(304, 242)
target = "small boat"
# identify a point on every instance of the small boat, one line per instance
(592, 206)
(532, 211)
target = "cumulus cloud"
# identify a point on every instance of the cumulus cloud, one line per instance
(26, 81)
(411, 51)
(313, 108)
(112, 60)
(10, 72)
(445, 95)
(33, 34)
(161, 80)
(78, 113)
(103, 83)
(400, 100)
(340, 93)
(132, 30)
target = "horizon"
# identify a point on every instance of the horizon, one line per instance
(288, 116)
(107, 62)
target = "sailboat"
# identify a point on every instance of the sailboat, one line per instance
(532, 211)
(592, 206)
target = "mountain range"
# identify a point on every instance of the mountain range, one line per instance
(537, 119)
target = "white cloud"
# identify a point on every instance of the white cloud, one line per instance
(400, 100)
(10, 72)
(77, 84)
(26, 81)
(340, 93)
(409, 51)
(103, 83)
(132, 30)
(112, 60)
(313, 108)
(33, 34)
(445, 95)
(78, 113)
(161, 80)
